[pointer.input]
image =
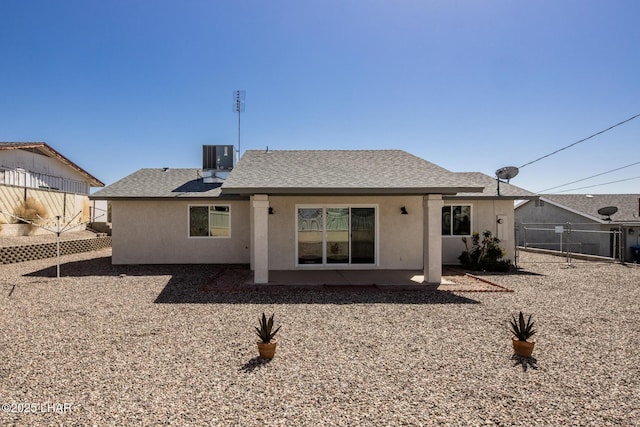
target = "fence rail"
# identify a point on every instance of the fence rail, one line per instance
(574, 238)
(25, 178)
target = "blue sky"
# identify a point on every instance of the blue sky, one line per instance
(470, 85)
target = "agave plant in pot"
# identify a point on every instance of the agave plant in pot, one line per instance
(522, 331)
(266, 333)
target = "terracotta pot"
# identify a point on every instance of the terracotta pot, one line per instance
(523, 348)
(267, 350)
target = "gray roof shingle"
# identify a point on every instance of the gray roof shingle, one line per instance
(160, 183)
(507, 190)
(341, 172)
(588, 204)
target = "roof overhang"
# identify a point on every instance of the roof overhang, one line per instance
(324, 191)
(166, 198)
(45, 150)
(493, 197)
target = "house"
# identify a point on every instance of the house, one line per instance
(578, 222)
(36, 170)
(307, 209)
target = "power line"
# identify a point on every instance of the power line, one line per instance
(582, 140)
(589, 177)
(598, 185)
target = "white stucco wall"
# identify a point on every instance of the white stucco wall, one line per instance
(484, 216)
(157, 232)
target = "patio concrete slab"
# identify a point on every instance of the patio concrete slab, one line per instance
(452, 280)
(347, 277)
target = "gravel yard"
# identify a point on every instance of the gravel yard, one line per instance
(152, 345)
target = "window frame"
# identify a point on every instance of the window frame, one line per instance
(451, 206)
(209, 206)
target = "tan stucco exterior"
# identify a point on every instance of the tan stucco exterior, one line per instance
(484, 216)
(399, 237)
(156, 232)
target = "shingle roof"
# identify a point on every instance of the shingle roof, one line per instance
(45, 150)
(341, 172)
(507, 191)
(628, 205)
(160, 183)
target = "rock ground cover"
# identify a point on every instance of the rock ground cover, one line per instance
(154, 345)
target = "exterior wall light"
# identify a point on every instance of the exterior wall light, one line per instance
(271, 211)
(403, 210)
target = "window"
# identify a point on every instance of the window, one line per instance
(456, 220)
(209, 221)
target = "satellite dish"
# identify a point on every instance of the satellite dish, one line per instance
(507, 172)
(608, 211)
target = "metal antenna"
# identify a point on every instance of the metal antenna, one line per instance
(238, 107)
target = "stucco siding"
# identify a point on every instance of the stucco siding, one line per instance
(156, 232)
(484, 216)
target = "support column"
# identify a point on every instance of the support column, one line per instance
(432, 238)
(260, 238)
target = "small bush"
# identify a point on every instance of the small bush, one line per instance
(485, 255)
(32, 212)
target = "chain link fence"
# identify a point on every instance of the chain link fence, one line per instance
(574, 238)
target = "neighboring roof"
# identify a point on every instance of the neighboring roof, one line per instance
(507, 191)
(45, 150)
(160, 184)
(588, 204)
(342, 172)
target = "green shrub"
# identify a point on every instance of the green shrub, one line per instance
(485, 254)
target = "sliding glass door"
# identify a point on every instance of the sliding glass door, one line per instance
(363, 235)
(337, 250)
(310, 235)
(336, 235)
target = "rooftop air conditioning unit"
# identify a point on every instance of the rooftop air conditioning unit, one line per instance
(217, 162)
